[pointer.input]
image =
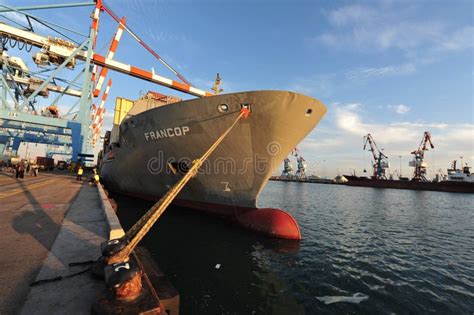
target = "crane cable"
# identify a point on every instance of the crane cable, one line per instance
(141, 42)
(135, 234)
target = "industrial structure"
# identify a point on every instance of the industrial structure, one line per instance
(57, 54)
(418, 161)
(301, 165)
(287, 168)
(380, 160)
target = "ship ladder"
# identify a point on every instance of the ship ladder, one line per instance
(118, 269)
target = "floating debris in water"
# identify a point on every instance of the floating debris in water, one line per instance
(377, 287)
(356, 298)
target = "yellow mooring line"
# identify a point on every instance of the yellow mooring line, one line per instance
(135, 234)
(23, 189)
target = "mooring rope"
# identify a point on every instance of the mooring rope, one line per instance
(135, 234)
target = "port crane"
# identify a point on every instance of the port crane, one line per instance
(301, 165)
(287, 168)
(20, 86)
(380, 162)
(418, 159)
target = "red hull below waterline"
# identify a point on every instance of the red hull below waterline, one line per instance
(269, 221)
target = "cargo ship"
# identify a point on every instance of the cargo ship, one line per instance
(457, 180)
(152, 147)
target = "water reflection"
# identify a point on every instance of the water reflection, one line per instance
(407, 251)
(188, 246)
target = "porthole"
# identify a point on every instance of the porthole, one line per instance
(223, 108)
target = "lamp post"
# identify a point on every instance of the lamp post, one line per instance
(461, 162)
(400, 165)
(26, 151)
(324, 169)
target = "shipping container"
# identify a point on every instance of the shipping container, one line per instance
(45, 163)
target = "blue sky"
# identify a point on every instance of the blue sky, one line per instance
(391, 68)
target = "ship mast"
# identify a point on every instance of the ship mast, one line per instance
(217, 84)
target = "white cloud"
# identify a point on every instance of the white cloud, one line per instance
(319, 85)
(380, 72)
(339, 141)
(347, 119)
(450, 139)
(326, 143)
(326, 85)
(353, 106)
(460, 39)
(351, 14)
(380, 27)
(399, 109)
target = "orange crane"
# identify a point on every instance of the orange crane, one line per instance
(418, 159)
(380, 162)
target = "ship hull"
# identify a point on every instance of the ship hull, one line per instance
(158, 145)
(447, 186)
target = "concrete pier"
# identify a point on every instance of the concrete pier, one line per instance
(31, 212)
(82, 231)
(47, 223)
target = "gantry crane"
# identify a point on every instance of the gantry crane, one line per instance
(18, 114)
(418, 159)
(380, 162)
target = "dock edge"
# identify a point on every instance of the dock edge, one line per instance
(113, 223)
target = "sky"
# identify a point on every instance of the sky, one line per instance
(390, 68)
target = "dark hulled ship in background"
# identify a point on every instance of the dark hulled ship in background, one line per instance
(456, 180)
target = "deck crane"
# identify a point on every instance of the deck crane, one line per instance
(380, 162)
(418, 159)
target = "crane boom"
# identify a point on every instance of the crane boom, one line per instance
(49, 87)
(426, 140)
(368, 139)
(50, 45)
(110, 54)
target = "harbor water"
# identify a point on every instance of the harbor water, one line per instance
(364, 250)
